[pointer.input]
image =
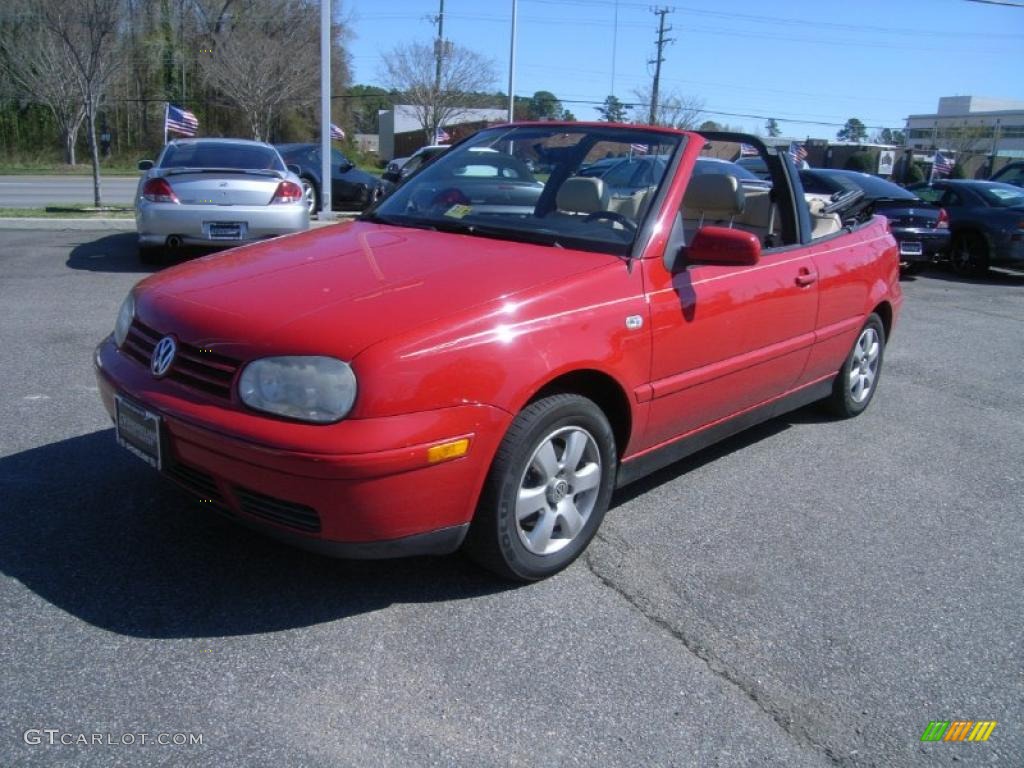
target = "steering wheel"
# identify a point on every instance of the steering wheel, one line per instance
(615, 216)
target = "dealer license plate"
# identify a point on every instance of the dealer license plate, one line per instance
(222, 230)
(910, 249)
(138, 430)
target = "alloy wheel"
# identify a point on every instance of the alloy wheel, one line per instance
(864, 367)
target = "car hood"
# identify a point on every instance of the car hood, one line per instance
(338, 290)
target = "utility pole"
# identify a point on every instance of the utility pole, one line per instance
(662, 42)
(440, 49)
(512, 66)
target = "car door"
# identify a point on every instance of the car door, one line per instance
(726, 338)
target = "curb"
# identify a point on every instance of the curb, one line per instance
(116, 225)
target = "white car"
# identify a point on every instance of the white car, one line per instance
(216, 192)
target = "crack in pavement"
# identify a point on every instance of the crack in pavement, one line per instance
(714, 664)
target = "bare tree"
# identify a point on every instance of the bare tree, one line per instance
(674, 109)
(465, 76)
(86, 31)
(264, 57)
(37, 64)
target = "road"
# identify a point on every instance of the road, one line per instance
(41, 191)
(810, 593)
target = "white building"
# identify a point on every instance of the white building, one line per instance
(402, 119)
(992, 127)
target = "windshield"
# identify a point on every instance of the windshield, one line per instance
(529, 183)
(1001, 195)
(220, 154)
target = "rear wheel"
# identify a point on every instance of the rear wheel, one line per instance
(969, 254)
(548, 489)
(857, 381)
(310, 195)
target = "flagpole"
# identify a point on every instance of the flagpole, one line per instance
(167, 108)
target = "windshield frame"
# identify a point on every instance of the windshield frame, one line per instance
(394, 209)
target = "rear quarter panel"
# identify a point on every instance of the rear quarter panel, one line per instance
(857, 271)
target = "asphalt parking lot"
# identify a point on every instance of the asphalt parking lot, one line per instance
(812, 592)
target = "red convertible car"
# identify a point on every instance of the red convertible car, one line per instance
(469, 366)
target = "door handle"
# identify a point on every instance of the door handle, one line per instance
(805, 278)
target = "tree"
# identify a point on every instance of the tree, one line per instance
(613, 110)
(854, 130)
(568, 116)
(544, 105)
(38, 64)
(709, 125)
(263, 57)
(465, 76)
(674, 110)
(86, 32)
(889, 136)
(771, 128)
(365, 103)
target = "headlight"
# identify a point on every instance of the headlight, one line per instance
(317, 389)
(125, 315)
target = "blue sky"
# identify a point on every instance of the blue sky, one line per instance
(803, 60)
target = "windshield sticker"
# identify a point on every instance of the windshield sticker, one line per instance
(458, 211)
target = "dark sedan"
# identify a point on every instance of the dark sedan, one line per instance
(349, 186)
(1012, 173)
(986, 219)
(920, 228)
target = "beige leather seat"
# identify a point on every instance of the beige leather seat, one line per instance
(715, 198)
(582, 195)
(822, 224)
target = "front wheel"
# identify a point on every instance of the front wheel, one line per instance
(858, 378)
(548, 489)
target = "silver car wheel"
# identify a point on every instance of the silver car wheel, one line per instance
(558, 490)
(309, 195)
(864, 367)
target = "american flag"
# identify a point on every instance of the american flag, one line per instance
(441, 136)
(748, 151)
(180, 121)
(640, 149)
(941, 166)
(336, 133)
(798, 152)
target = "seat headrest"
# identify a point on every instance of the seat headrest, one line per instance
(715, 192)
(581, 194)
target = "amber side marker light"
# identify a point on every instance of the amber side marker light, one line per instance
(448, 451)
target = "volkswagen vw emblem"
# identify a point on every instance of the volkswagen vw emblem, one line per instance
(163, 356)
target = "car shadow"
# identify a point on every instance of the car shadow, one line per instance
(93, 531)
(119, 253)
(810, 414)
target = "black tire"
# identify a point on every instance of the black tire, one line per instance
(844, 400)
(969, 254)
(496, 538)
(363, 198)
(309, 189)
(152, 255)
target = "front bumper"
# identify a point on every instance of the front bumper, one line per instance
(358, 488)
(156, 222)
(933, 242)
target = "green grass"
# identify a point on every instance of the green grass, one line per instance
(69, 211)
(10, 168)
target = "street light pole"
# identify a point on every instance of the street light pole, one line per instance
(325, 110)
(512, 66)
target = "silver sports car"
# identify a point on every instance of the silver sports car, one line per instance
(215, 192)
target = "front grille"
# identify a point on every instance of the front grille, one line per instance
(278, 511)
(193, 367)
(196, 482)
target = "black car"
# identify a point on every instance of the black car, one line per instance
(986, 219)
(401, 168)
(920, 228)
(349, 186)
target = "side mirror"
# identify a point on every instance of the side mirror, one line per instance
(345, 166)
(145, 165)
(294, 169)
(392, 176)
(720, 245)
